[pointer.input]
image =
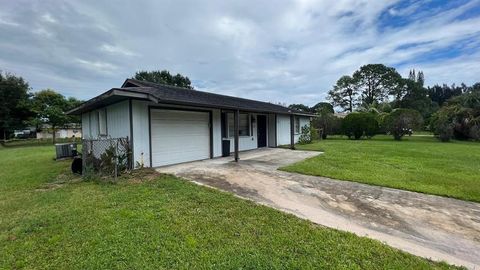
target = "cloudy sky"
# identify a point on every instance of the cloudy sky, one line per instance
(277, 51)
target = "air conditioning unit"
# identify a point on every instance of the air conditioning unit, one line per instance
(66, 150)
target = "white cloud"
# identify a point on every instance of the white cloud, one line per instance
(116, 50)
(290, 51)
(97, 65)
(48, 18)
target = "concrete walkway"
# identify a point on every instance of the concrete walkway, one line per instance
(429, 226)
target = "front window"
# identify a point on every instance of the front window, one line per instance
(243, 127)
(297, 124)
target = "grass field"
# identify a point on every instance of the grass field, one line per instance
(49, 221)
(421, 164)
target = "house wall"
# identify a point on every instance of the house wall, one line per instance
(85, 125)
(90, 125)
(217, 132)
(118, 121)
(140, 133)
(283, 128)
(118, 125)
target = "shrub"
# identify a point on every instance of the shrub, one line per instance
(402, 121)
(357, 125)
(305, 135)
(328, 123)
(459, 118)
(314, 133)
(381, 122)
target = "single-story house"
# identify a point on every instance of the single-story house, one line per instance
(168, 125)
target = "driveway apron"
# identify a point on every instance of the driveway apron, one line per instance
(430, 226)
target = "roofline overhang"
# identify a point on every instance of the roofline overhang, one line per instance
(114, 92)
(131, 93)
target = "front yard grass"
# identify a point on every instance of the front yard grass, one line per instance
(417, 163)
(48, 221)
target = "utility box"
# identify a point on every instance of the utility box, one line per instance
(65, 150)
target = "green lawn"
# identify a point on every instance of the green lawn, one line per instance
(159, 222)
(421, 164)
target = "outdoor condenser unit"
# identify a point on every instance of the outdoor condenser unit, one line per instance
(65, 150)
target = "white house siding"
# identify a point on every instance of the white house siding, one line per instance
(118, 120)
(85, 125)
(94, 124)
(141, 135)
(217, 132)
(283, 128)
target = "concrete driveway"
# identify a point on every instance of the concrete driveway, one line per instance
(429, 226)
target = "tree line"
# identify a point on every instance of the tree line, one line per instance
(20, 107)
(399, 104)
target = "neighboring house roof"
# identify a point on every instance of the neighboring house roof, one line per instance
(167, 94)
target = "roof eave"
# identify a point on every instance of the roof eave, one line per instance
(114, 92)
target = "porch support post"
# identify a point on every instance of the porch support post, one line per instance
(236, 120)
(292, 132)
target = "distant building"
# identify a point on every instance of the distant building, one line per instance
(25, 133)
(67, 131)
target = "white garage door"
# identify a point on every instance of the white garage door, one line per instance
(179, 136)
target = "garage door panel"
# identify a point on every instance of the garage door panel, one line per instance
(179, 136)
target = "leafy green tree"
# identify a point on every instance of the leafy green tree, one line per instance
(344, 94)
(50, 107)
(377, 82)
(164, 77)
(14, 103)
(299, 107)
(322, 108)
(402, 121)
(416, 98)
(440, 94)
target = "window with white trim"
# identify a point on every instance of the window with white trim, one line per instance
(297, 125)
(243, 127)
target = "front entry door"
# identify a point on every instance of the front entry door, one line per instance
(262, 130)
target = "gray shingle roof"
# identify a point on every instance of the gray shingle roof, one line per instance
(182, 96)
(178, 95)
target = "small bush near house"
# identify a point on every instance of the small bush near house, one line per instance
(305, 135)
(357, 125)
(402, 121)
